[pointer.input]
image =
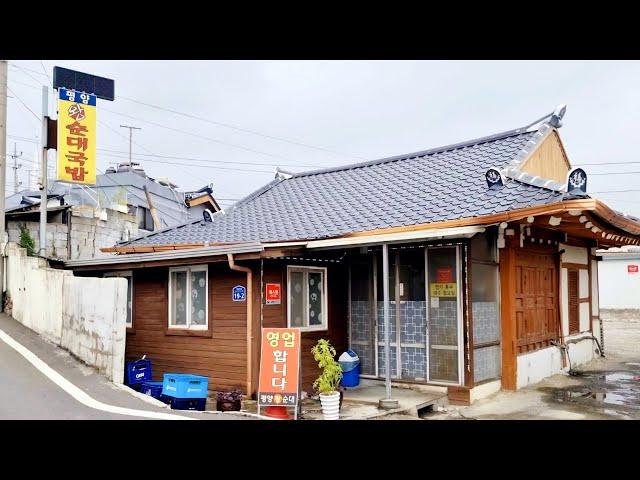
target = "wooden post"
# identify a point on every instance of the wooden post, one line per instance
(508, 321)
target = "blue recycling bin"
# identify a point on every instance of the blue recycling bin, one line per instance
(350, 364)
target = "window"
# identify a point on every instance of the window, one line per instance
(307, 298)
(129, 276)
(145, 220)
(188, 297)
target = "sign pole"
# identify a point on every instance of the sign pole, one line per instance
(43, 173)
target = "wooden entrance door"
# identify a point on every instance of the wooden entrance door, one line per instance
(536, 298)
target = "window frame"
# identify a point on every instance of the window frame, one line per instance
(188, 269)
(304, 269)
(124, 274)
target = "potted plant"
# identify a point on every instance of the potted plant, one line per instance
(328, 383)
(229, 401)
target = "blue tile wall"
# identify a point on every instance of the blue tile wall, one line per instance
(414, 362)
(486, 363)
(486, 322)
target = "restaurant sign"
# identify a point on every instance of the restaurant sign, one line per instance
(279, 367)
(76, 137)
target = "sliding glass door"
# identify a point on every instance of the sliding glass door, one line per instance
(445, 332)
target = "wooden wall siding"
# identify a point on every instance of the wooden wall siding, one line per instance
(536, 298)
(276, 315)
(574, 301)
(549, 160)
(221, 356)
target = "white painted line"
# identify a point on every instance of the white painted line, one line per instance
(146, 398)
(75, 392)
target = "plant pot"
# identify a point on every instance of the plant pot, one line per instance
(228, 405)
(330, 405)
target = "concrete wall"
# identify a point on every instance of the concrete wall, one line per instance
(90, 230)
(56, 236)
(82, 314)
(536, 366)
(619, 288)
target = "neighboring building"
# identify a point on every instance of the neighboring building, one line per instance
(491, 269)
(81, 220)
(619, 273)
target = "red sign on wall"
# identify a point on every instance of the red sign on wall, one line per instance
(444, 275)
(632, 268)
(273, 294)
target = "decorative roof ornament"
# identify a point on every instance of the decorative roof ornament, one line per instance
(207, 215)
(494, 178)
(282, 174)
(556, 117)
(577, 182)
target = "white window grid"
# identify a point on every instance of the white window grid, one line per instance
(188, 271)
(305, 270)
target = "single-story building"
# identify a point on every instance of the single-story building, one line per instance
(483, 253)
(619, 272)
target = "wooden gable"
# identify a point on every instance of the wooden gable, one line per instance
(548, 160)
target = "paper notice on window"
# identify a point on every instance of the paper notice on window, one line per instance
(435, 302)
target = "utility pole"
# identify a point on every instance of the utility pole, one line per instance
(3, 166)
(131, 129)
(43, 174)
(15, 167)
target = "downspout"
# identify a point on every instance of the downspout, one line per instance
(247, 270)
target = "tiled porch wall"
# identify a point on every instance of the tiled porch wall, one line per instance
(362, 322)
(443, 364)
(486, 328)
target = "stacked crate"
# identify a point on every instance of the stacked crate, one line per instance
(184, 391)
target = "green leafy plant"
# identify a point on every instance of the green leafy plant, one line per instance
(329, 380)
(27, 241)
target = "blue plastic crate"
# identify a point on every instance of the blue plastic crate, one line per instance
(153, 389)
(184, 385)
(138, 372)
(185, 403)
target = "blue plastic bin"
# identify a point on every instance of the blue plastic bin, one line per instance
(351, 378)
(350, 364)
(184, 403)
(137, 372)
(184, 385)
(153, 389)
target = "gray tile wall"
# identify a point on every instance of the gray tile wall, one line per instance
(361, 325)
(486, 322)
(443, 323)
(486, 363)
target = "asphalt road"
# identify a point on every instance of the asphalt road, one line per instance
(28, 394)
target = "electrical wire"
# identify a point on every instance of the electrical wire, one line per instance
(214, 122)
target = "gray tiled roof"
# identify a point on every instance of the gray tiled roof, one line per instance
(440, 184)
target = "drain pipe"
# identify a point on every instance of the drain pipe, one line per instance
(247, 270)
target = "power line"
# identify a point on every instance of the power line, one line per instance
(618, 191)
(218, 123)
(196, 135)
(175, 157)
(24, 104)
(202, 137)
(213, 167)
(241, 129)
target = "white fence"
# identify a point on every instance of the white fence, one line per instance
(84, 315)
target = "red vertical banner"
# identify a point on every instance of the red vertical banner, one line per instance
(279, 367)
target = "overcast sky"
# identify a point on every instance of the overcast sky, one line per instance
(311, 114)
